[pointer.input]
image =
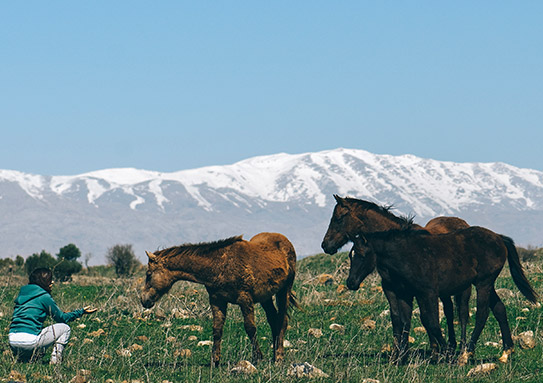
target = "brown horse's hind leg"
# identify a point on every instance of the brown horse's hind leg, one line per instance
(271, 315)
(248, 311)
(218, 309)
(429, 315)
(282, 297)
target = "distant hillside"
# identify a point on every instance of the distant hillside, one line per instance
(291, 194)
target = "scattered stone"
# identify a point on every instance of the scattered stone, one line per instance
(492, 344)
(97, 333)
(525, 310)
(244, 367)
(505, 293)
(180, 313)
(368, 324)
(526, 340)
(368, 380)
(87, 341)
(337, 327)
(305, 370)
(385, 313)
(16, 376)
(287, 344)
(109, 381)
(124, 352)
(520, 318)
(136, 347)
(205, 343)
(193, 327)
(82, 376)
(341, 289)
(326, 279)
(170, 339)
(142, 338)
(483, 369)
(377, 289)
(184, 353)
(192, 338)
(82, 325)
(410, 339)
(315, 332)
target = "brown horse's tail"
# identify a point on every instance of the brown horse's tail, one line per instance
(517, 271)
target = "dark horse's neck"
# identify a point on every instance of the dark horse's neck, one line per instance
(199, 263)
(378, 218)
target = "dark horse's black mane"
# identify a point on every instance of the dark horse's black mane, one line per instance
(406, 222)
(201, 249)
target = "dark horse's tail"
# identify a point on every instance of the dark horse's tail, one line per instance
(517, 272)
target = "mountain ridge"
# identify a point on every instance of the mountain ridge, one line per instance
(288, 193)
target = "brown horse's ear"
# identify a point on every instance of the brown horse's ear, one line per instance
(339, 200)
(151, 256)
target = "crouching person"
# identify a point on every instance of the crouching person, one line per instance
(27, 337)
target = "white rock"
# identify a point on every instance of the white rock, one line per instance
(205, 343)
(305, 370)
(482, 369)
(244, 367)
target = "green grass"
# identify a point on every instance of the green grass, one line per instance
(154, 338)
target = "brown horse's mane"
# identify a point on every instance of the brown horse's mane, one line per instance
(198, 249)
(404, 221)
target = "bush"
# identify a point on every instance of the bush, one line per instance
(43, 259)
(69, 252)
(124, 260)
(64, 270)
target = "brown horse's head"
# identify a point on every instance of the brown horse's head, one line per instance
(363, 261)
(158, 281)
(342, 224)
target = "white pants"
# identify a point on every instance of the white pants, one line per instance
(25, 345)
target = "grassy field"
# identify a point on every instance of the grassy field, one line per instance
(124, 343)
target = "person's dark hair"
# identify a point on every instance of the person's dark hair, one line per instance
(41, 277)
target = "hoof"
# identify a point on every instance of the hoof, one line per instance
(505, 356)
(464, 358)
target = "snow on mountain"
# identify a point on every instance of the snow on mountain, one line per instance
(287, 193)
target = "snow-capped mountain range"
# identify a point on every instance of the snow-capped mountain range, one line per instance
(291, 194)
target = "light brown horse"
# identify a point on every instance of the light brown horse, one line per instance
(233, 271)
(352, 216)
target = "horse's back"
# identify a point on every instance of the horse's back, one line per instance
(275, 245)
(442, 225)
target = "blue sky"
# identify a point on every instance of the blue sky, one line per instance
(174, 85)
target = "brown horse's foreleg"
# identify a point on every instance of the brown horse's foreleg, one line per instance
(448, 309)
(498, 309)
(248, 311)
(218, 309)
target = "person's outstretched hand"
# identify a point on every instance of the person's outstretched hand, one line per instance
(89, 310)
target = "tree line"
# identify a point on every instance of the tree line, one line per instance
(66, 262)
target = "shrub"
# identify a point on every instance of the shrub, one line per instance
(69, 252)
(64, 270)
(124, 260)
(43, 259)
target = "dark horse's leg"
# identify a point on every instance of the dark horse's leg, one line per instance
(401, 310)
(462, 306)
(248, 310)
(498, 309)
(483, 301)
(429, 315)
(218, 309)
(448, 309)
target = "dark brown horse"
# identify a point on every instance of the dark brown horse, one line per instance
(233, 271)
(428, 266)
(352, 216)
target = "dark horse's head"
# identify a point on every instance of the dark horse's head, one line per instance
(158, 281)
(342, 224)
(363, 261)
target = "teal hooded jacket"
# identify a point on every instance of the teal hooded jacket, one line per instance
(32, 306)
